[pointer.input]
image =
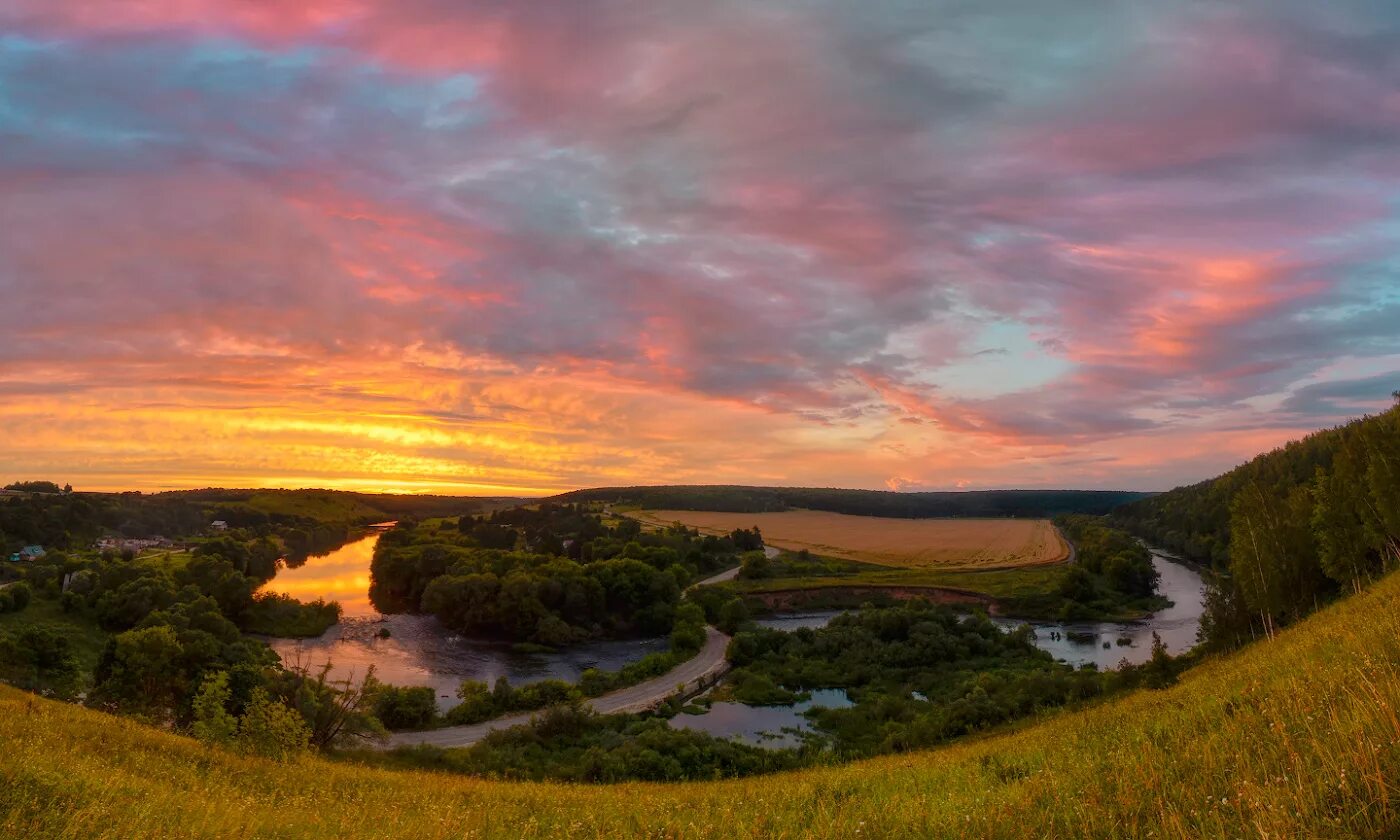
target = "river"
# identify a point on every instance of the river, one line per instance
(419, 650)
(1177, 624)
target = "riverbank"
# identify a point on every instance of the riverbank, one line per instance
(695, 674)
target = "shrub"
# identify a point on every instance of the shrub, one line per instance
(212, 722)
(270, 729)
(405, 708)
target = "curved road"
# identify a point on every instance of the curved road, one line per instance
(693, 674)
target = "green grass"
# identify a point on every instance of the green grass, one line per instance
(1294, 738)
(160, 558)
(1002, 583)
(1027, 592)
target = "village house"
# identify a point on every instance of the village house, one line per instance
(28, 554)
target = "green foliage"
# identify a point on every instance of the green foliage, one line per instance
(1289, 530)
(732, 616)
(576, 745)
(142, 670)
(213, 724)
(405, 708)
(274, 614)
(336, 712)
(272, 730)
(755, 567)
(984, 503)
(580, 579)
(1284, 740)
(15, 597)
(919, 674)
(39, 658)
(480, 703)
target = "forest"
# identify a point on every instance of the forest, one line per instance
(1290, 530)
(553, 575)
(979, 503)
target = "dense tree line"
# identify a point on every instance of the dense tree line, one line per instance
(1289, 530)
(988, 503)
(552, 576)
(305, 521)
(1112, 570)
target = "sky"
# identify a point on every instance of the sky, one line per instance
(504, 247)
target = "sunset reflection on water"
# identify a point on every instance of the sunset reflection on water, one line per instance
(343, 575)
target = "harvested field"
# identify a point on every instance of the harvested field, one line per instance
(905, 543)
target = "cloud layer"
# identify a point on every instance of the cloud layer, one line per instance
(530, 246)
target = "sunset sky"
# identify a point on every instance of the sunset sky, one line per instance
(522, 246)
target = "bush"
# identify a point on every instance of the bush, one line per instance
(732, 616)
(405, 708)
(20, 595)
(755, 567)
(272, 730)
(212, 722)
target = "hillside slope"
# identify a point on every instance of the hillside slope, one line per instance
(1296, 738)
(1291, 529)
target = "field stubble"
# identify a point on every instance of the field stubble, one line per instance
(903, 543)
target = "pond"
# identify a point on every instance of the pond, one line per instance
(762, 725)
(419, 650)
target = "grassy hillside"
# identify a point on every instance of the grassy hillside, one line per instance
(980, 503)
(1296, 738)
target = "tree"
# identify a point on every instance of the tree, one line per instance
(732, 616)
(404, 708)
(336, 711)
(39, 658)
(1159, 671)
(19, 595)
(141, 669)
(213, 724)
(272, 730)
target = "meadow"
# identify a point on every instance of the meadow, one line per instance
(1298, 737)
(904, 543)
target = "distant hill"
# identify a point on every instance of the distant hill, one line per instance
(977, 503)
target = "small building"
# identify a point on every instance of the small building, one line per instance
(29, 553)
(219, 525)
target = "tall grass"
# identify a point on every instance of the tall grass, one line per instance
(1295, 738)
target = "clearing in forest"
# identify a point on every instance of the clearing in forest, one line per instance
(907, 543)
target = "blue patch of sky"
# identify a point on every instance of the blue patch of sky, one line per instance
(1004, 359)
(70, 103)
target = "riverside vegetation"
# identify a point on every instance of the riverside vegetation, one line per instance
(1289, 738)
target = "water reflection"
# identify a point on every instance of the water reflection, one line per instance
(1177, 625)
(342, 575)
(413, 650)
(763, 725)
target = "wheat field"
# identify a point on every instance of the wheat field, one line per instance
(904, 543)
